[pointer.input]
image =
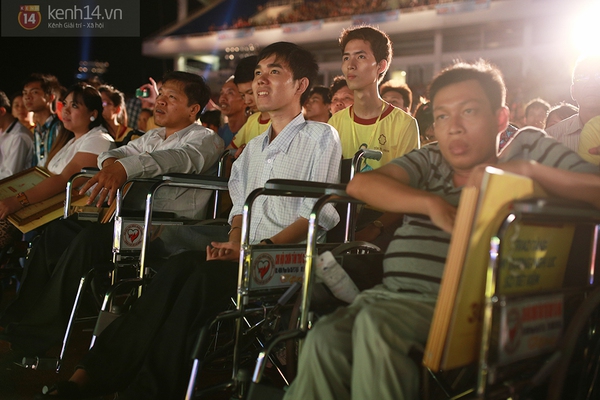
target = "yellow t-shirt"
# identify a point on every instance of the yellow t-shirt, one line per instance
(151, 124)
(253, 127)
(588, 139)
(395, 134)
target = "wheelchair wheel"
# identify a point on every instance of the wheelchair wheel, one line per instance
(578, 375)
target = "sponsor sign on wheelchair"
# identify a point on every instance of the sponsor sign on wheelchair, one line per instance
(530, 327)
(275, 268)
(129, 233)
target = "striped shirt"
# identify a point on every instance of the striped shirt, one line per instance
(414, 261)
(303, 150)
(567, 131)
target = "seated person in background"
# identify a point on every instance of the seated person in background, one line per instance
(114, 112)
(232, 107)
(258, 121)
(424, 116)
(40, 93)
(535, 113)
(145, 354)
(559, 112)
(81, 139)
(341, 95)
(361, 351)
(211, 119)
(19, 111)
(36, 319)
(397, 94)
(143, 117)
(16, 142)
(585, 90)
(317, 106)
(590, 139)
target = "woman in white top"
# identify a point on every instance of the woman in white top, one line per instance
(84, 137)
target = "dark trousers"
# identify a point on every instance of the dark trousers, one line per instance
(37, 318)
(146, 354)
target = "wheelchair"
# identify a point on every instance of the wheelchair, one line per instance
(533, 344)
(269, 276)
(130, 249)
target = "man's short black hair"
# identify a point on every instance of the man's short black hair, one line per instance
(301, 62)
(400, 88)
(49, 83)
(380, 42)
(194, 87)
(244, 71)
(488, 76)
(338, 83)
(5, 102)
(321, 91)
(537, 103)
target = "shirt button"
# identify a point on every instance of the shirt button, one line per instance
(269, 161)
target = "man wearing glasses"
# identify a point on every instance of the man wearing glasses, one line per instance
(585, 90)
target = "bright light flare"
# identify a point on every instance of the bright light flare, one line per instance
(586, 29)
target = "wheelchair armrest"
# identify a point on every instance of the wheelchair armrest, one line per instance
(369, 154)
(313, 189)
(139, 214)
(90, 170)
(558, 208)
(206, 181)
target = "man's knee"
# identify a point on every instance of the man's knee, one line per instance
(328, 335)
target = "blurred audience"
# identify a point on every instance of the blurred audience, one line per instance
(397, 94)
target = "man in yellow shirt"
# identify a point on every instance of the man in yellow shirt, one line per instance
(371, 122)
(257, 122)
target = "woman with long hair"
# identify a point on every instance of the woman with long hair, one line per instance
(114, 112)
(84, 137)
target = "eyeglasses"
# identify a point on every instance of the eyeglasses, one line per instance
(587, 78)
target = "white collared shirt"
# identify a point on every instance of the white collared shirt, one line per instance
(303, 150)
(16, 149)
(192, 150)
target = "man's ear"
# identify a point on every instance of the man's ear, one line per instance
(3, 111)
(194, 110)
(502, 118)
(382, 67)
(303, 85)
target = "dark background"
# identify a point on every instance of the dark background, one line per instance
(127, 70)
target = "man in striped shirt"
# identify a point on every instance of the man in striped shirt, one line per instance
(361, 352)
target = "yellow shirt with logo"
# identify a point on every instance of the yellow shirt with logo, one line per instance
(395, 134)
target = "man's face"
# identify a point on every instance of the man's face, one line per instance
(315, 108)
(536, 117)
(341, 99)
(395, 99)
(230, 99)
(359, 65)
(245, 90)
(34, 97)
(465, 125)
(171, 108)
(274, 85)
(586, 85)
